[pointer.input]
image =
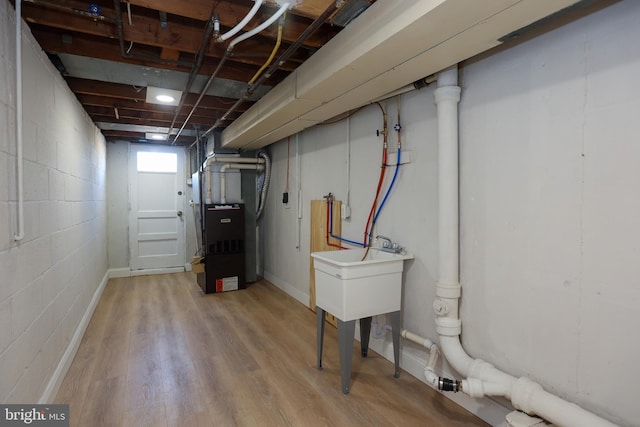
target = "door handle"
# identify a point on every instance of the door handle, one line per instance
(180, 213)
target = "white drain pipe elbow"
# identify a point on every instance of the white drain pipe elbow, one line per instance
(223, 176)
(482, 379)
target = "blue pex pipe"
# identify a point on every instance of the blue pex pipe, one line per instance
(395, 175)
(338, 237)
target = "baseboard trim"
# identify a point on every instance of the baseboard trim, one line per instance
(413, 360)
(127, 272)
(288, 288)
(119, 272)
(60, 372)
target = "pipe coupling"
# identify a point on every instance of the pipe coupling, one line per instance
(448, 327)
(473, 387)
(447, 94)
(481, 369)
(446, 384)
(522, 394)
(451, 291)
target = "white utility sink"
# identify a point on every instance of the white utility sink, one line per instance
(353, 289)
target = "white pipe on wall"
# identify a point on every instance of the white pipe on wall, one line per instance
(482, 378)
(232, 159)
(223, 176)
(19, 138)
(206, 169)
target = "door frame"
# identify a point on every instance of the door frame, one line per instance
(181, 179)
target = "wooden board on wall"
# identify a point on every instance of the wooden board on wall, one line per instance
(319, 241)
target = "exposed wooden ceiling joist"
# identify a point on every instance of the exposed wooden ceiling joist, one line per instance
(164, 38)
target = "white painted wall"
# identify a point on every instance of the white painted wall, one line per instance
(550, 209)
(48, 281)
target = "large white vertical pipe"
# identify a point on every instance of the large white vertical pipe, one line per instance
(19, 139)
(483, 379)
(447, 96)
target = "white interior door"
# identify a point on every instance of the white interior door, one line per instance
(156, 197)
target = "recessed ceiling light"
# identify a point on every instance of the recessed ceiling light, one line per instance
(157, 95)
(156, 136)
(165, 98)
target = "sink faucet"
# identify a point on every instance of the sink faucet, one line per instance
(388, 245)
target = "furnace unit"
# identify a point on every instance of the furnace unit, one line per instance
(224, 237)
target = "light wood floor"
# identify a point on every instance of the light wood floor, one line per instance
(158, 352)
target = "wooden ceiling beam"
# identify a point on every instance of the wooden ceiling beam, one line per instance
(127, 115)
(57, 41)
(117, 93)
(203, 116)
(147, 32)
(121, 135)
(136, 122)
(230, 13)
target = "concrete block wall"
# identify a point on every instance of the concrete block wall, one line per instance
(49, 279)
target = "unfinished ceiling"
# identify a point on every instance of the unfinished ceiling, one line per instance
(109, 52)
(331, 56)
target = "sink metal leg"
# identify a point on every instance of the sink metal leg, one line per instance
(365, 331)
(320, 316)
(346, 331)
(395, 335)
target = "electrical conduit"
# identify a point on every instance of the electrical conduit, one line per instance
(262, 201)
(19, 137)
(482, 379)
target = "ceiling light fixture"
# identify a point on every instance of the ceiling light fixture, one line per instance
(157, 95)
(167, 99)
(156, 136)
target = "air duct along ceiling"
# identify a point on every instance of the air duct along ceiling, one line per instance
(391, 45)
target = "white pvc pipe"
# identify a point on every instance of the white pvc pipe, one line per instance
(206, 168)
(232, 32)
(19, 138)
(229, 159)
(482, 378)
(223, 176)
(207, 183)
(260, 27)
(417, 339)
